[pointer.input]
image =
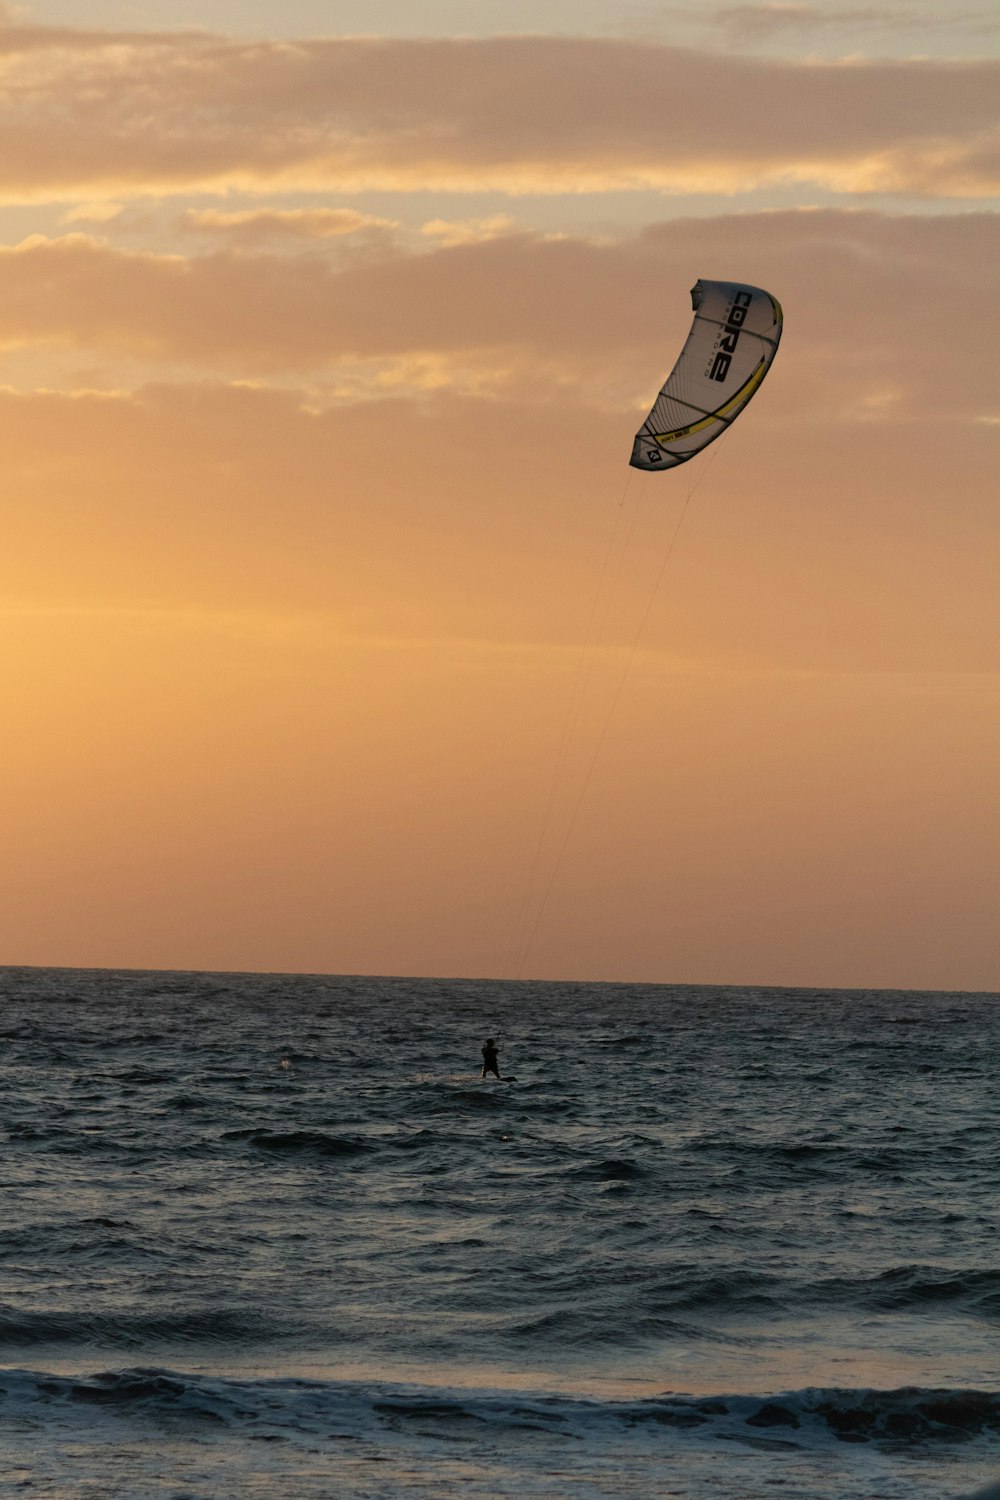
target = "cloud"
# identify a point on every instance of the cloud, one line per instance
(253, 226)
(875, 322)
(125, 115)
(755, 23)
(468, 231)
(92, 213)
(756, 20)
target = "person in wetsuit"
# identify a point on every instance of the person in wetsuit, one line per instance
(490, 1058)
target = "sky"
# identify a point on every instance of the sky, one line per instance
(338, 634)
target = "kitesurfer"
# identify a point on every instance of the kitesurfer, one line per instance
(491, 1058)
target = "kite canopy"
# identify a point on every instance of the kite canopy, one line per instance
(733, 339)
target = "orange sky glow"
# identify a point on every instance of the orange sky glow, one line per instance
(338, 634)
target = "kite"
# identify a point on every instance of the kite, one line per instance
(733, 340)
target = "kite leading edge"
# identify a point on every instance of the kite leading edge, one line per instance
(733, 340)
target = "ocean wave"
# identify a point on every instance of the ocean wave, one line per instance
(468, 1096)
(300, 1142)
(616, 1328)
(621, 1043)
(612, 1169)
(916, 1288)
(910, 1417)
(643, 1305)
(899, 1289)
(129, 1329)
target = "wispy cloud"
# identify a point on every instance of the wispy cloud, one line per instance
(757, 22)
(85, 113)
(468, 231)
(257, 225)
(871, 300)
(92, 213)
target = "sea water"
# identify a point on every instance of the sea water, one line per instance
(267, 1235)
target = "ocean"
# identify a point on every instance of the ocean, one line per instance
(272, 1235)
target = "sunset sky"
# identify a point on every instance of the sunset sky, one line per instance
(338, 634)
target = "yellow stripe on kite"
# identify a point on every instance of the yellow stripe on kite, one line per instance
(743, 394)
